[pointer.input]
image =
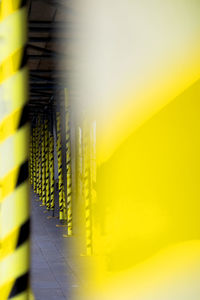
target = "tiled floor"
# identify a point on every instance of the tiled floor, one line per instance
(51, 273)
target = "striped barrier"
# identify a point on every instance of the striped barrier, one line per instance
(87, 187)
(51, 152)
(43, 167)
(68, 167)
(14, 132)
(47, 164)
(62, 205)
(40, 162)
(30, 161)
(34, 159)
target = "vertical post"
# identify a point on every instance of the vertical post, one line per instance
(37, 155)
(52, 204)
(68, 168)
(79, 163)
(47, 163)
(14, 133)
(87, 187)
(62, 207)
(34, 159)
(93, 161)
(40, 160)
(30, 160)
(43, 166)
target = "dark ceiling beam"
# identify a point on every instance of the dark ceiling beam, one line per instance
(40, 93)
(42, 100)
(45, 56)
(38, 86)
(41, 78)
(36, 57)
(45, 50)
(35, 89)
(47, 29)
(40, 71)
(56, 3)
(42, 103)
(47, 24)
(45, 79)
(47, 39)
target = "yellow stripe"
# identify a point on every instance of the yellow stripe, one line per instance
(7, 246)
(10, 158)
(11, 64)
(8, 7)
(8, 183)
(5, 290)
(10, 124)
(13, 33)
(14, 265)
(14, 210)
(15, 97)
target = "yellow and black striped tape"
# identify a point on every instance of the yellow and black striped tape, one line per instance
(62, 206)
(87, 188)
(14, 218)
(43, 167)
(40, 162)
(69, 181)
(52, 206)
(47, 164)
(34, 159)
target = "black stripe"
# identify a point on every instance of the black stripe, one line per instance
(24, 233)
(23, 3)
(20, 285)
(23, 173)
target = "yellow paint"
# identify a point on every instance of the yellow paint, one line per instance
(16, 206)
(12, 266)
(14, 99)
(148, 202)
(8, 7)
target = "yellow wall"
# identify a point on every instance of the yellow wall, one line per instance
(149, 204)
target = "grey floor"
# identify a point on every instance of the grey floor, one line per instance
(52, 275)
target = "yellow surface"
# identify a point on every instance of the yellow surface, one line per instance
(148, 194)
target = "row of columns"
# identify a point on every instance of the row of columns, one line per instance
(76, 182)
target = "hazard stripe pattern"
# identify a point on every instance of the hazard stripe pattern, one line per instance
(14, 226)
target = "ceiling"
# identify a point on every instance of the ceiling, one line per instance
(47, 39)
